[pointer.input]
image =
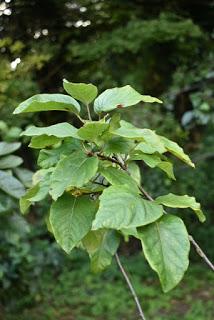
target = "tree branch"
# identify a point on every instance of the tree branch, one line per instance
(130, 287)
(201, 253)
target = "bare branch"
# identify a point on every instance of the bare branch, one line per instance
(130, 287)
(201, 253)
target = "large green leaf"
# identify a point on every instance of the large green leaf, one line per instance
(101, 245)
(92, 131)
(81, 91)
(11, 185)
(166, 247)
(127, 130)
(43, 141)
(10, 161)
(121, 208)
(71, 219)
(118, 177)
(49, 158)
(48, 102)
(59, 130)
(118, 145)
(72, 171)
(6, 148)
(174, 201)
(177, 151)
(122, 97)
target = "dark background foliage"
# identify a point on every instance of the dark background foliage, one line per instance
(162, 48)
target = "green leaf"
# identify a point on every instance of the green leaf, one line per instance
(167, 167)
(6, 148)
(49, 158)
(121, 208)
(166, 247)
(71, 219)
(48, 102)
(147, 148)
(127, 130)
(80, 91)
(154, 160)
(38, 191)
(101, 245)
(76, 170)
(10, 161)
(11, 185)
(177, 151)
(117, 177)
(92, 131)
(24, 202)
(122, 97)
(118, 145)
(134, 171)
(59, 130)
(43, 141)
(174, 201)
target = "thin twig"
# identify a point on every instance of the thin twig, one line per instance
(89, 113)
(201, 253)
(130, 287)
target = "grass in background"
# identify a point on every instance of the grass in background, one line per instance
(77, 294)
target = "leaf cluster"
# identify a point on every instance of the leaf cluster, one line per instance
(92, 175)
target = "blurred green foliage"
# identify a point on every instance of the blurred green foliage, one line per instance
(162, 48)
(77, 294)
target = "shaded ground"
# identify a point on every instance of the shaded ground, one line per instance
(77, 294)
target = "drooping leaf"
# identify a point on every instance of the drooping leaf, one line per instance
(127, 130)
(122, 97)
(91, 131)
(101, 245)
(6, 147)
(38, 191)
(166, 248)
(167, 167)
(59, 130)
(11, 185)
(48, 102)
(43, 141)
(71, 219)
(24, 202)
(81, 91)
(118, 177)
(76, 170)
(121, 208)
(10, 161)
(154, 160)
(174, 201)
(177, 151)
